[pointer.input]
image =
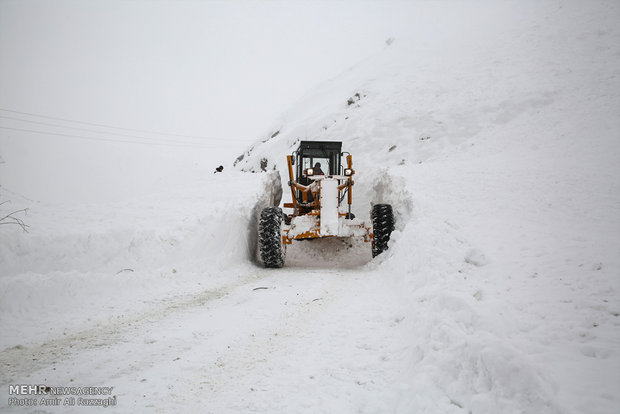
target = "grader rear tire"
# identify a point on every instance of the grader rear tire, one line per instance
(382, 226)
(270, 237)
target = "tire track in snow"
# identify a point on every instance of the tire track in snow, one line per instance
(262, 326)
(21, 361)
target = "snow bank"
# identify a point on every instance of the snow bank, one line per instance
(82, 263)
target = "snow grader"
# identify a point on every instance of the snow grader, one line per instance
(322, 195)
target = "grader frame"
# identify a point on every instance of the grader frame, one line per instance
(307, 190)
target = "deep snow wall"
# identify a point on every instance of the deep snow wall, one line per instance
(113, 257)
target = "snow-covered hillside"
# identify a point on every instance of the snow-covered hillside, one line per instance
(498, 145)
(496, 139)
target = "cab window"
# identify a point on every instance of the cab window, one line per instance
(310, 162)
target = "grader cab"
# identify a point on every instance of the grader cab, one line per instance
(321, 184)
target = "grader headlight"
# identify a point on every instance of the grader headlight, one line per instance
(348, 172)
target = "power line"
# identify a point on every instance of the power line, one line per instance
(97, 132)
(107, 139)
(110, 126)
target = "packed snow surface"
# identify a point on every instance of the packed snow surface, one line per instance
(497, 141)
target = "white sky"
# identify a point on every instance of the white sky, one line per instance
(219, 69)
(222, 69)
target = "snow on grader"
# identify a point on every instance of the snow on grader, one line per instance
(322, 195)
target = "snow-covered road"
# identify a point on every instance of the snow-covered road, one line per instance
(295, 340)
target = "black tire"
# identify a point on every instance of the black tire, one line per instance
(270, 237)
(382, 226)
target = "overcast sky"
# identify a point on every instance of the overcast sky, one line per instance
(223, 69)
(218, 69)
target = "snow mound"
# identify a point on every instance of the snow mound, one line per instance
(111, 256)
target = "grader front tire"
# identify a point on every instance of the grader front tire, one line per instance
(382, 226)
(270, 237)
